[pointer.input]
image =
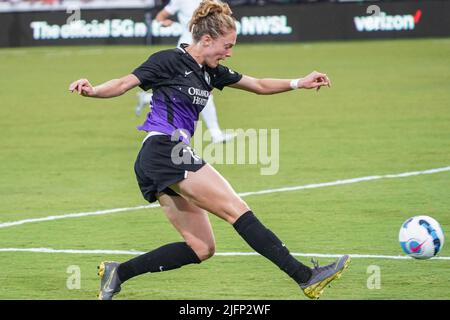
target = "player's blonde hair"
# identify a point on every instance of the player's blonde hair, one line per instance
(212, 17)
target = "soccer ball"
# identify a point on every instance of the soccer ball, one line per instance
(421, 237)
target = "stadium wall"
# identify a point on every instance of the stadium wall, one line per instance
(305, 22)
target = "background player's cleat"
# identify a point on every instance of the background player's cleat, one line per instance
(110, 282)
(144, 99)
(322, 276)
(223, 137)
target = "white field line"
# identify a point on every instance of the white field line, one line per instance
(223, 254)
(74, 215)
(243, 194)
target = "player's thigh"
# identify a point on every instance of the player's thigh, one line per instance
(191, 222)
(207, 189)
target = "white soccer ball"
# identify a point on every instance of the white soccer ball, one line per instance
(421, 237)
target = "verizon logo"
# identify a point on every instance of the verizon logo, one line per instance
(384, 22)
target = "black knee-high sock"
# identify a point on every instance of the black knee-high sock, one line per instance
(266, 243)
(168, 257)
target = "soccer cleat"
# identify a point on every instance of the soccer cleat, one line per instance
(322, 276)
(110, 282)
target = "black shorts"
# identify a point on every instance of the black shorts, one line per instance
(163, 162)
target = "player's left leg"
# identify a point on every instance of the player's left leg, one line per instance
(193, 225)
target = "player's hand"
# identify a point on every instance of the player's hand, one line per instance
(83, 87)
(166, 23)
(314, 80)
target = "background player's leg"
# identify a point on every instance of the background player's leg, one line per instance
(209, 115)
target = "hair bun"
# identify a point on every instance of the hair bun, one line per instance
(212, 17)
(210, 7)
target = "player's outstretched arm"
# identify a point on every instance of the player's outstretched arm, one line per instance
(109, 89)
(314, 80)
(163, 17)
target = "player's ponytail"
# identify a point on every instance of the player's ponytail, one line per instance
(212, 17)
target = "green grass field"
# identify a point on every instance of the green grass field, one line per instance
(388, 112)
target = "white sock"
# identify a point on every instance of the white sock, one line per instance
(209, 115)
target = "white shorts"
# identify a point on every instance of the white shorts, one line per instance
(186, 37)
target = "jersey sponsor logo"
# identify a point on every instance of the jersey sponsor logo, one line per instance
(200, 101)
(198, 92)
(186, 73)
(200, 97)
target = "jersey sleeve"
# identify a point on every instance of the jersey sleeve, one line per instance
(223, 76)
(151, 72)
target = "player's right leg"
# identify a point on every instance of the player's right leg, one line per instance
(322, 276)
(207, 189)
(109, 280)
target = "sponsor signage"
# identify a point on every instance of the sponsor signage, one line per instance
(305, 22)
(130, 28)
(386, 22)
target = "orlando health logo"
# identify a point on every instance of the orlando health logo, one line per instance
(384, 22)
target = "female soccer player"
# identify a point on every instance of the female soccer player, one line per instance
(168, 170)
(184, 10)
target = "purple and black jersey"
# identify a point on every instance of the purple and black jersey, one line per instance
(181, 88)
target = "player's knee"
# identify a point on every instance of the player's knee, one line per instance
(234, 209)
(203, 250)
(207, 252)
